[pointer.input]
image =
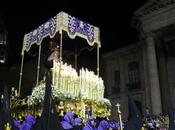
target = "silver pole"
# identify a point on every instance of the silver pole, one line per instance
(98, 69)
(20, 78)
(120, 118)
(61, 37)
(38, 67)
(61, 44)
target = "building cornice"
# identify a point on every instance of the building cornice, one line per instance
(155, 14)
(152, 6)
(122, 51)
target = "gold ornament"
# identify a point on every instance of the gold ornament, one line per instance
(61, 108)
(7, 126)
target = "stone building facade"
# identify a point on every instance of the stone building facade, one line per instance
(146, 67)
(124, 69)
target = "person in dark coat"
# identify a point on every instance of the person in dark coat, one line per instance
(49, 119)
(135, 119)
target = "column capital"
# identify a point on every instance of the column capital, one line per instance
(148, 34)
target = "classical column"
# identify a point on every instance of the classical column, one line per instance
(147, 94)
(153, 76)
(164, 85)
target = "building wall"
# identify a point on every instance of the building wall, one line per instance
(118, 60)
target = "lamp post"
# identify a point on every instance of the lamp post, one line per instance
(119, 113)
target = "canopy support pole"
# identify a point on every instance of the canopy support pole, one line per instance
(61, 47)
(20, 78)
(98, 69)
(76, 57)
(38, 67)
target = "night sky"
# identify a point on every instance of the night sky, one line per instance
(112, 17)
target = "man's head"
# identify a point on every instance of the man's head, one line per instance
(52, 45)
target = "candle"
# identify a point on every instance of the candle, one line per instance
(16, 93)
(2, 96)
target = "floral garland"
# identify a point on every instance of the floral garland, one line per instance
(38, 93)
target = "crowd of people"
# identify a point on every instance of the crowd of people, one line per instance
(160, 122)
(70, 121)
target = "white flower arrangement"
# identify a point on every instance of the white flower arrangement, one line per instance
(106, 102)
(38, 93)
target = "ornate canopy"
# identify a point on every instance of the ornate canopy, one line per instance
(62, 21)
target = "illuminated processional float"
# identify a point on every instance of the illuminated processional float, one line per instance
(80, 92)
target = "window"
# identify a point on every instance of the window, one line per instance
(116, 87)
(133, 75)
